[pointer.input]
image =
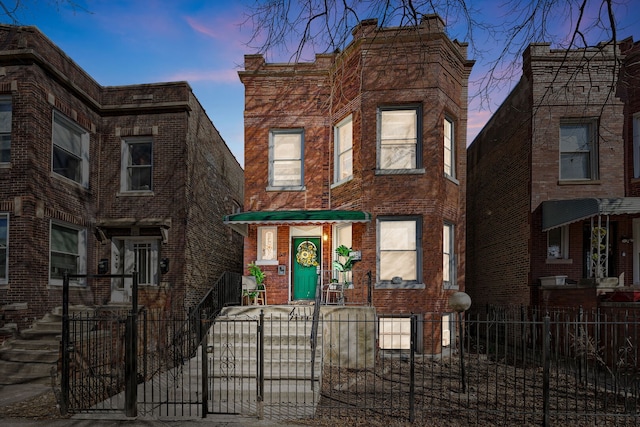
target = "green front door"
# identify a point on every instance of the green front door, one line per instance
(306, 259)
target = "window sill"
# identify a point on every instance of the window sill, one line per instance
(70, 181)
(267, 262)
(400, 171)
(297, 188)
(143, 193)
(399, 286)
(339, 183)
(579, 182)
(452, 179)
(5, 165)
(559, 261)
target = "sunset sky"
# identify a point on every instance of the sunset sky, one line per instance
(203, 42)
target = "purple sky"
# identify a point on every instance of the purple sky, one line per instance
(203, 42)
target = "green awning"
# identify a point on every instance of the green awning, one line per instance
(239, 221)
(556, 213)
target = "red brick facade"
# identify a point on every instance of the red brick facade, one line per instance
(382, 67)
(514, 168)
(195, 182)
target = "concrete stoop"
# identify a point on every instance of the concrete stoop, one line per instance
(32, 354)
(289, 380)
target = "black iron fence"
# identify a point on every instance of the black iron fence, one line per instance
(519, 366)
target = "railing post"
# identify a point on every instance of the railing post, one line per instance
(131, 355)
(205, 364)
(546, 350)
(369, 291)
(64, 382)
(412, 375)
(261, 365)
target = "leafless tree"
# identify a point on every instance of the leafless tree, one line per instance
(497, 33)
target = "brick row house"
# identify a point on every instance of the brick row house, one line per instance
(553, 211)
(121, 178)
(363, 148)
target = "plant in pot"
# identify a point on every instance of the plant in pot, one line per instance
(344, 263)
(258, 274)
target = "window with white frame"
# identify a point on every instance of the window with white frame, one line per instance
(558, 243)
(268, 245)
(4, 248)
(286, 148)
(343, 135)
(636, 146)
(399, 246)
(70, 150)
(5, 129)
(137, 164)
(399, 142)
(578, 150)
(68, 252)
(394, 333)
(342, 235)
(448, 257)
(449, 148)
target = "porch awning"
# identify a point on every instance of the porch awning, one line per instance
(556, 213)
(239, 221)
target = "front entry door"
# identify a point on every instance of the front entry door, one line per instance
(306, 261)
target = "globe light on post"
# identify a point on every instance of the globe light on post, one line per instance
(460, 302)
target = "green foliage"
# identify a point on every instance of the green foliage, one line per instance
(256, 272)
(347, 264)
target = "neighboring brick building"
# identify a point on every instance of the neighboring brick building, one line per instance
(363, 148)
(550, 190)
(91, 173)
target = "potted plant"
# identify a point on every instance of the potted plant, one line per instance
(258, 274)
(344, 263)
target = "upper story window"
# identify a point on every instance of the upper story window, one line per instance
(343, 136)
(137, 164)
(449, 148)
(399, 247)
(558, 243)
(68, 252)
(5, 129)
(636, 146)
(70, 150)
(286, 148)
(4, 248)
(448, 257)
(399, 138)
(578, 150)
(268, 245)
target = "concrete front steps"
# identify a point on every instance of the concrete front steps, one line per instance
(33, 353)
(290, 381)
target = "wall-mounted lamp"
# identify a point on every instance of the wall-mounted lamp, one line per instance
(103, 266)
(325, 237)
(164, 265)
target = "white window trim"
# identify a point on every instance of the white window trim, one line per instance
(124, 165)
(5, 280)
(339, 152)
(564, 246)
(453, 265)
(260, 260)
(594, 161)
(272, 160)
(417, 168)
(451, 152)
(82, 254)
(402, 284)
(84, 155)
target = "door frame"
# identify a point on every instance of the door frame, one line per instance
(302, 231)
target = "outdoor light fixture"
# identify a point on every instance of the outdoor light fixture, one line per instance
(460, 302)
(103, 266)
(164, 265)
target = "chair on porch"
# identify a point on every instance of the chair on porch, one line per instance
(251, 295)
(334, 293)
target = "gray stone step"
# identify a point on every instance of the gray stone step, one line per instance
(33, 345)
(19, 372)
(29, 356)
